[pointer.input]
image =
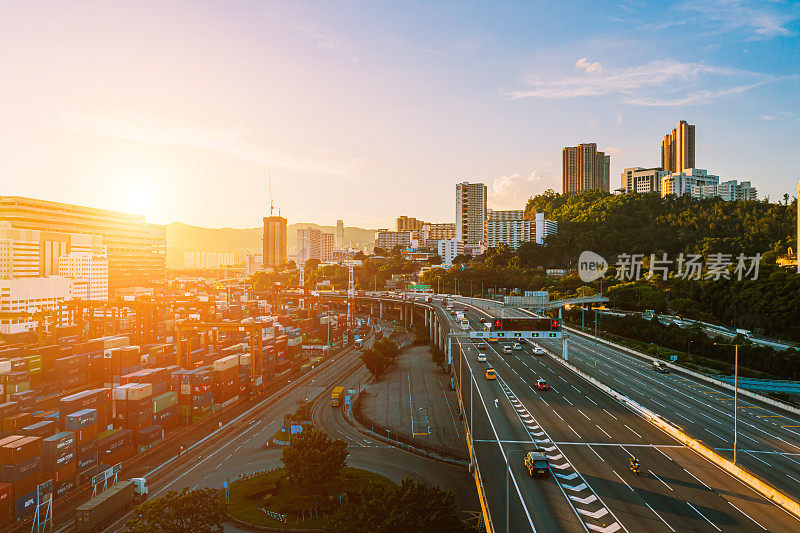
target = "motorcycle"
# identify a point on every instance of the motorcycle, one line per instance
(635, 469)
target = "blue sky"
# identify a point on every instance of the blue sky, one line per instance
(368, 110)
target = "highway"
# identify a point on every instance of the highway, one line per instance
(243, 449)
(589, 438)
(768, 439)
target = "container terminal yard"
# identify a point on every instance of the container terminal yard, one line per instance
(100, 387)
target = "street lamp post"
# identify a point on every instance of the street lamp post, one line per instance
(735, 393)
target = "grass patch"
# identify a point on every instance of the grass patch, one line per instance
(273, 491)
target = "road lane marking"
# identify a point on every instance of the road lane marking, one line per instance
(659, 517)
(604, 431)
(620, 478)
(627, 426)
(609, 414)
(661, 480)
(748, 516)
(704, 516)
(578, 434)
(584, 414)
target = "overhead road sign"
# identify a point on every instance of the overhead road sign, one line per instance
(525, 324)
(513, 335)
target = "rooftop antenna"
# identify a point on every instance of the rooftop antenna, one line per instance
(269, 176)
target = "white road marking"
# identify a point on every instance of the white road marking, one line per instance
(659, 517)
(661, 480)
(626, 483)
(704, 516)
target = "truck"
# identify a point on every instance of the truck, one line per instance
(336, 396)
(98, 512)
(536, 463)
(745, 332)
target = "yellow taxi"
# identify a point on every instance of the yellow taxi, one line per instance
(490, 373)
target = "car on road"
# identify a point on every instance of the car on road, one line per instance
(466, 309)
(481, 345)
(536, 463)
(658, 366)
(452, 313)
(541, 384)
(523, 341)
(481, 357)
(506, 349)
(517, 346)
(538, 350)
(490, 373)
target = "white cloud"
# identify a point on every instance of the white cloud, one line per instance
(588, 67)
(233, 142)
(512, 191)
(656, 83)
(763, 21)
(613, 150)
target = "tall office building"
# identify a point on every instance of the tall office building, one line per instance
(314, 244)
(584, 168)
(274, 241)
(136, 250)
(677, 148)
(405, 223)
(471, 213)
(339, 235)
(89, 273)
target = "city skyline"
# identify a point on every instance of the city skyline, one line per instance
(402, 103)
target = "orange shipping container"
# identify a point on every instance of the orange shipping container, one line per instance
(20, 450)
(12, 423)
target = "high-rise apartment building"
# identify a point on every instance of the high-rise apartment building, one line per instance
(509, 227)
(584, 168)
(544, 228)
(677, 148)
(274, 242)
(314, 244)
(405, 223)
(387, 240)
(448, 249)
(642, 180)
(339, 235)
(136, 250)
(471, 213)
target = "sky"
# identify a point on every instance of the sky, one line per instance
(364, 111)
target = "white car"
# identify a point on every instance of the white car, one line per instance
(506, 349)
(481, 357)
(517, 346)
(538, 350)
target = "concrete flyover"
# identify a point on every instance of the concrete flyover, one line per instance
(685, 492)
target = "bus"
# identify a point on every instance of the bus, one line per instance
(336, 396)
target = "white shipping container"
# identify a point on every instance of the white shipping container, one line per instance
(226, 362)
(186, 389)
(244, 359)
(121, 392)
(138, 391)
(115, 342)
(5, 367)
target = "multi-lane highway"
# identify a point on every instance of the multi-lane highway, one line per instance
(589, 438)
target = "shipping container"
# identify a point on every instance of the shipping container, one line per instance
(80, 419)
